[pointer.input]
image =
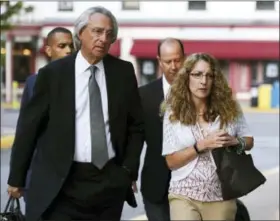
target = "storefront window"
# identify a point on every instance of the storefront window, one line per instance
(22, 61)
(148, 71)
(2, 63)
(271, 71)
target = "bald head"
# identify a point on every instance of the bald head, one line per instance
(168, 43)
(170, 57)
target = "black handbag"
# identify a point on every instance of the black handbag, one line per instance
(12, 211)
(242, 213)
(237, 173)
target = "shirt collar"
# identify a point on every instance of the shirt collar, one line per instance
(82, 64)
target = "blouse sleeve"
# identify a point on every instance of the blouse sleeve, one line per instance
(171, 142)
(242, 128)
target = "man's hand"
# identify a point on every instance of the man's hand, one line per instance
(15, 192)
(134, 187)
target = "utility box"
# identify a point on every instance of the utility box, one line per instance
(275, 95)
(264, 101)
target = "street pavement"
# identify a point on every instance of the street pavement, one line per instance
(263, 203)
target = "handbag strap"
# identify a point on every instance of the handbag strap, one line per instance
(8, 204)
(11, 205)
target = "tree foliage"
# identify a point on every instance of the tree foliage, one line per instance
(9, 10)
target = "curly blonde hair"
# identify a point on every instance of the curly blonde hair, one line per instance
(220, 101)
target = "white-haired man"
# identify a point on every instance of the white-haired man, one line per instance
(89, 107)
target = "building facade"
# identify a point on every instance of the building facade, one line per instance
(244, 36)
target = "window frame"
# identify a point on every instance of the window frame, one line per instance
(66, 9)
(129, 7)
(197, 9)
(258, 8)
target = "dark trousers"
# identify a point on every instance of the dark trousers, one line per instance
(157, 211)
(91, 194)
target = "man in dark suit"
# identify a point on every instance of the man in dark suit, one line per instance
(88, 107)
(59, 44)
(155, 174)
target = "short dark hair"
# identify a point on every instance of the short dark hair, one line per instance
(171, 39)
(57, 30)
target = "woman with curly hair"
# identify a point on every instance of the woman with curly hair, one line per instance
(200, 116)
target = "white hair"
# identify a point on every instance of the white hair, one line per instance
(83, 20)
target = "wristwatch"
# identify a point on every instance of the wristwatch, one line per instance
(196, 149)
(240, 148)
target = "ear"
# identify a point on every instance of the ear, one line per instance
(81, 32)
(48, 51)
(158, 58)
(159, 61)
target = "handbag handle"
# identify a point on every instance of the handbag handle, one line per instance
(11, 205)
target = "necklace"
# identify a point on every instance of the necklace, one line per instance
(203, 130)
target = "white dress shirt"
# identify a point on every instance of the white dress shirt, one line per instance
(82, 130)
(166, 86)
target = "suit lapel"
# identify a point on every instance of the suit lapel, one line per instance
(158, 94)
(112, 92)
(67, 99)
(69, 83)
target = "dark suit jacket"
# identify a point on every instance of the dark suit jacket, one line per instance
(26, 97)
(155, 174)
(52, 110)
(28, 89)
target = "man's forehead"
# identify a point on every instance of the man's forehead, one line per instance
(61, 37)
(100, 20)
(171, 56)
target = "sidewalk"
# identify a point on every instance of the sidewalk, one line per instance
(7, 137)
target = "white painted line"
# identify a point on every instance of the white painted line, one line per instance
(141, 217)
(271, 171)
(277, 215)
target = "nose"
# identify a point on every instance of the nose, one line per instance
(68, 49)
(104, 37)
(203, 79)
(173, 65)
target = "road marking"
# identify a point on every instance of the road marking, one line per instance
(271, 171)
(141, 217)
(7, 141)
(265, 173)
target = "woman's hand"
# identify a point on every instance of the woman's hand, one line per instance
(231, 140)
(217, 139)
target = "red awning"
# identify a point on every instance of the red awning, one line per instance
(115, 48)
(219, 49)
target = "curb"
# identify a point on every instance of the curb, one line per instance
(245, 110)
(260, 110)
(7, 141)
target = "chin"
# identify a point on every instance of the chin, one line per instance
(201, 97)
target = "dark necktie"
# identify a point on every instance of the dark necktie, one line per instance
(99, 150)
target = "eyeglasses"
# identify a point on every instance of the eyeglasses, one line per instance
(199, 75)
(98, 32)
